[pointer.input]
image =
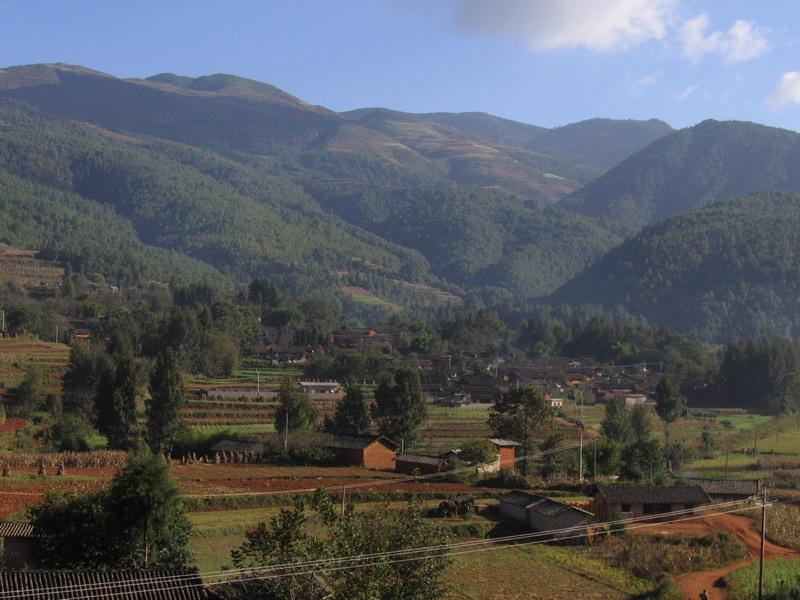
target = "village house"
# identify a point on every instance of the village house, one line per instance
(370, 451)
(413, 464)
(507, 449)
(543, 514)
(145, 584)
(722, 490)
(18, 540)
(333, 388)
(611, 501)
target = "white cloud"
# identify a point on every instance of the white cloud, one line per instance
(551, 24)
(787, 91)
(743, 41)
(639, 85)
(684, 95)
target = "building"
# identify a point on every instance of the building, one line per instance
(143, 584)
(721, 490)
(508, 452)
(371, 451)
(412, 464)
(556, 402)
(18, 540)
(635, 399)
(333, 388)
(640, 500)
(540, 513)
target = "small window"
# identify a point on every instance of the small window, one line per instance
(625, 508)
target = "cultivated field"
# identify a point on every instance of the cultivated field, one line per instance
(18, 353)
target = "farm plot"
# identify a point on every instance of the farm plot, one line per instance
(781, 577)
(785, 440)
(16, 354)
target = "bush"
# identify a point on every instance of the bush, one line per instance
(478, 451)
(70, 433)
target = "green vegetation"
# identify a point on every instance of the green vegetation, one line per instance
(727, 270)
(781, 581)
(707, 163)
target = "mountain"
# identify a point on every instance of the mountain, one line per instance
(598, 144)
(725, 270)
(241, 179)
(692, 167)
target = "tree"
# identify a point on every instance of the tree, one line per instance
(400, 407)
(669, 403)
(70, 432)
(263, 293)
(480, 451)
(296, 408)
(641, 423)
(31, 393)
(518, 414)
(352, 412)
(616, 423)
(86, 366)
(643, 460)
(137, 521)
(296, 535)
(164, 422)
(115, 403)
(707, 442)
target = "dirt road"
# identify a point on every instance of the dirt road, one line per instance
(692, 584)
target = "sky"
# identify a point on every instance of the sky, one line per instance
(546, 62)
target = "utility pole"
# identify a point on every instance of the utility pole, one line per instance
(2, 312)
(594, 449)
(580, 460)
(727, 450)
(286, 430)
(763, 537)
(258, 381)
(343, 491)
(56, 333)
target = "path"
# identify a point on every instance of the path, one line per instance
(745, 530)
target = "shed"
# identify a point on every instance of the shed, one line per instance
(142, 584)
(371, 451)
(507, 450)
(544, 514)
(18, 540)
(420, 463)
(640, 500)
(720, 490)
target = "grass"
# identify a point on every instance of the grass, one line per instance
(517, 572)
(784, 442)
(780, 577)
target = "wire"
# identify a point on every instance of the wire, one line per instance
(443, 547)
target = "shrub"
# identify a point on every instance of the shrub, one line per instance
(70, 432)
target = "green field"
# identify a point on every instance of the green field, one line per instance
(781, 576)
(783, 442)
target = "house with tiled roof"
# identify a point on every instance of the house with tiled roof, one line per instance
(371, 451)
(544, 514)
(613, 501)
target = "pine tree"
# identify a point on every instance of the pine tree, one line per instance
(352, 412)
(400, 407)
(166, 397)
(115, 403)
(518, 414)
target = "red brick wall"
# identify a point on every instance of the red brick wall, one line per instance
(507, 456)
(378, 456)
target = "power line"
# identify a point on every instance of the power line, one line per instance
(443, 547)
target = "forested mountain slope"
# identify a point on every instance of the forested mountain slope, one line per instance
(730, 269)
(692, 167)
(241, 179)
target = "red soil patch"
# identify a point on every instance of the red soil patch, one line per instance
(13, 425)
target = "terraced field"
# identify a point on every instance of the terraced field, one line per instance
(18, 353)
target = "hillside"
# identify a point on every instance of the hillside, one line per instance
(596, 144)
(730, 269)
(238, 179)
(690, 168)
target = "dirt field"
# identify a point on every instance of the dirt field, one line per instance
(692, 584)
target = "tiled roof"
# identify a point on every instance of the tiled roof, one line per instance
(743, 487)
(540, 504)
(358, 442)
(645, 494)
(420, 459)
(150, 584)
(9, 529)
(501, 442)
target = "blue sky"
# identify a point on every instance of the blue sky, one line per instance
(547, 62)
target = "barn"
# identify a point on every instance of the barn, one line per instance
(411, 464)
(722, 490)
(612, 501)
(371, 451)
(149, 584)
(18, 540)
(543, 514)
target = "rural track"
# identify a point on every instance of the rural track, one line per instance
(745, 530)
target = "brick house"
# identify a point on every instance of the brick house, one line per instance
(17, 540)
(722, 490)
(611, 501)
(370, 451)
(418, 463)
(540, 513)
(508, 452)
